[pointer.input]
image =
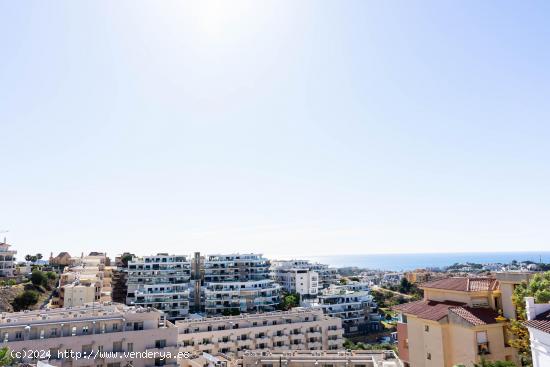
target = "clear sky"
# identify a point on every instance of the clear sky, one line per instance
(282, 127)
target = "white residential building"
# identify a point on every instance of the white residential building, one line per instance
(7, 260)
(238, 283)
(356, 358)
(297, 329)
(91, 329)
(302, 281)
(325, 276)
(538, 316)
(160, 281)
(352, 303)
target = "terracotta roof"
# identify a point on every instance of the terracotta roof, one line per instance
(541, 322)
(463, 284)
(476, 316)
(428, 310)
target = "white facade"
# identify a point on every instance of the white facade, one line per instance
(307, 329)
(325, 275)
(7, 260)
(160, 281)
(302, 281)
(352, 303)
(538, 316)
(106, 328)
(238, 283)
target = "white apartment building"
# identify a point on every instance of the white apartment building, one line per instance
(538, 324)
(89, 329)
(302, 281)
(324, 274)
(7, 260)
(352, 303)
(299, 328)
(357, 358)
(160, 281)
(238, 283)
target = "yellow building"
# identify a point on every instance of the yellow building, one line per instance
(457, 322)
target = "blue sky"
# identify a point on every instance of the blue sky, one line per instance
(282, 127)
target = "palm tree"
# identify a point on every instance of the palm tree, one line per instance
(39, 256)
(5, 357)
(28, 258)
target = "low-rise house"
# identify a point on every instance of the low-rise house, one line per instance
(105, 329)
(458, 321)
(299, 328)
(538, 324)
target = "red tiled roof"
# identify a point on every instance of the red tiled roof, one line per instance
(463, 284)
(541, 322)
(476, 316)
(428, 310)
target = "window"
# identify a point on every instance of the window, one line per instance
(482, 343)
(161, 343)
(100, 348)
(53, 332)
(115, 327)
(18, 335)
(130, 347)
(85, 330)
(160, 361)
(87, 349)
(73, 331)
(117, 346)
(427, 328)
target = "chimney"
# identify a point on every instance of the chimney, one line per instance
(530, 308)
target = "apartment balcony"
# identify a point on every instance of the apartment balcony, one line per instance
(316, 345)
(314, 334)
(297, 337)
(338, 332)
(172, 349)
(337, 342)
(203, 347)
(228, 344)
(281, 338)
(244, 343)
(188, 349)
(297, 346)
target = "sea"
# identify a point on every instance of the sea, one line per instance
(401, 262)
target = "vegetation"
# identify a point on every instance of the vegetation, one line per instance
(51, 275)
(539, 288)
(33, 258)
(5, 357)
(486, 363)
(231, 312)
(9, 282)
(25, 300)
(290, 300)
(343, 281)
(39, 278)
(408, 288)
(348, 344)
(386, 299)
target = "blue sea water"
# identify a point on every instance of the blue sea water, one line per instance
(399, 262)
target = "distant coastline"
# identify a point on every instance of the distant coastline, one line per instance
(400, 262)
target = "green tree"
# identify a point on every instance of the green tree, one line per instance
(539, 288)
(5, 357)
(24, 300)
(405, 286)
(343, 281)
(51, 275)
(290, 300)
(38, 278)
(28, 258)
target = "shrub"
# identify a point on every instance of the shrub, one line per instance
(24, 300)
(38, 278)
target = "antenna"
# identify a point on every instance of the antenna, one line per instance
(4, 231)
